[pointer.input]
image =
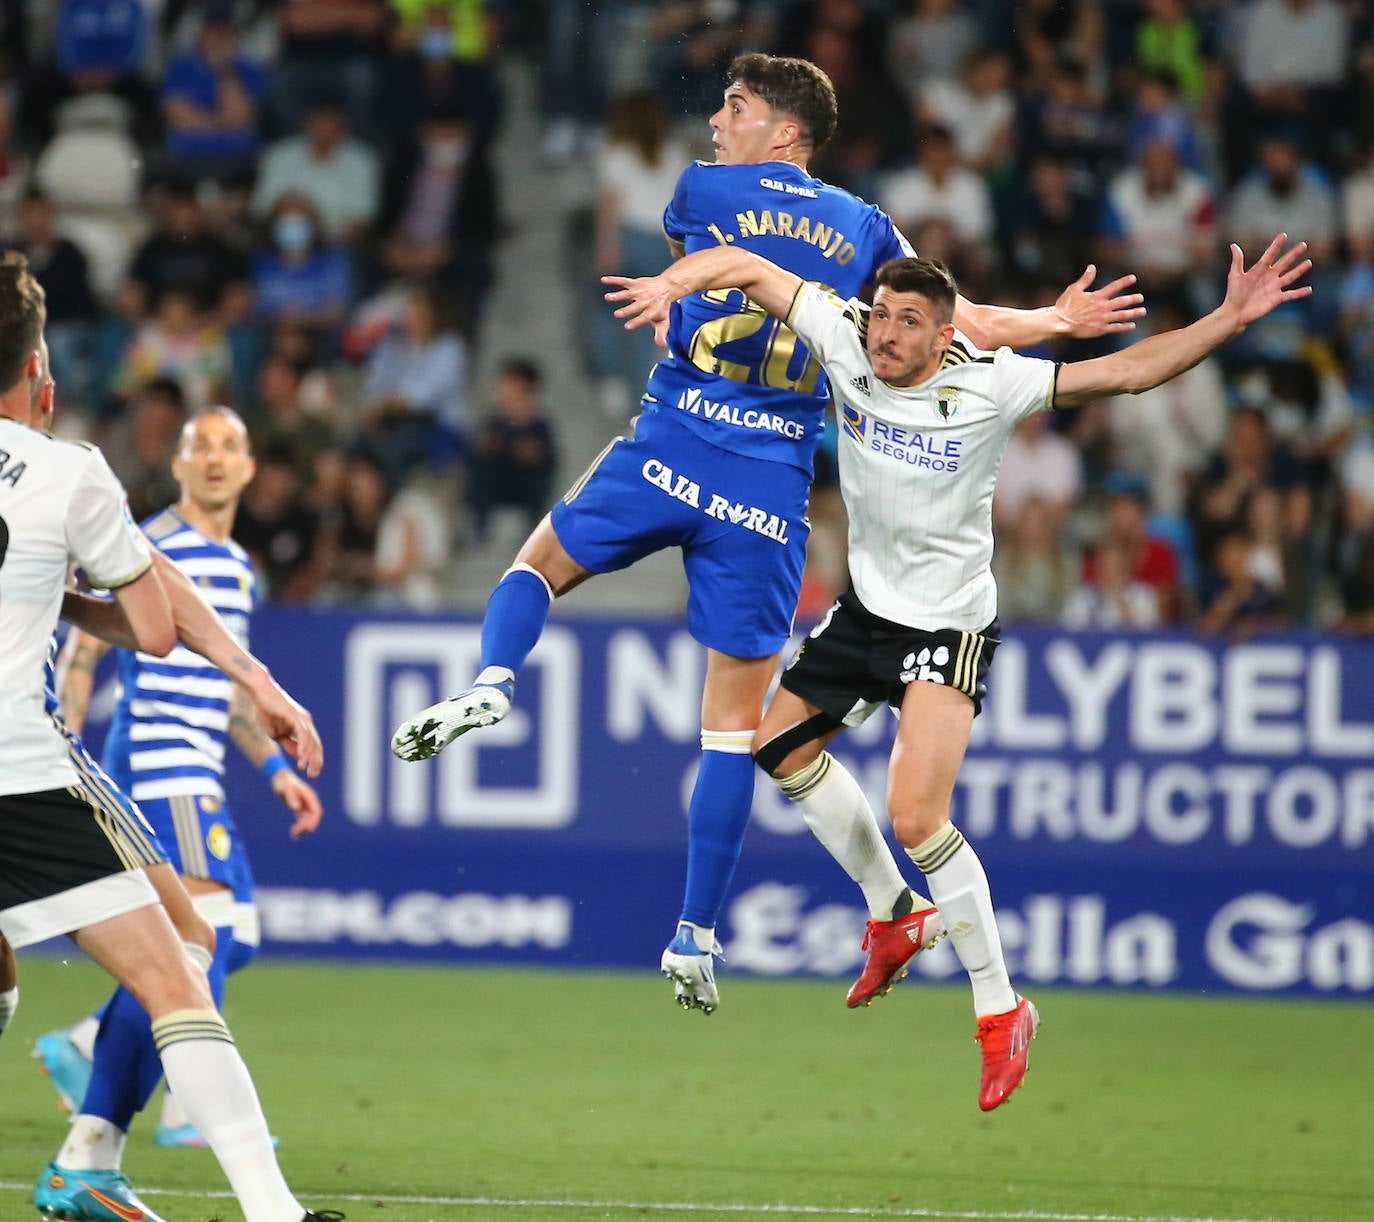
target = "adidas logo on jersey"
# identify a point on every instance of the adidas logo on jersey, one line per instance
(860, 383)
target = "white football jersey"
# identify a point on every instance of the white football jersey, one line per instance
(59, 502)
(918, 465)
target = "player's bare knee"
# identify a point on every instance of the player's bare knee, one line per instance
(913, 823)
(787, 752)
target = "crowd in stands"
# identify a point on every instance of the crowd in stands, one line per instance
(292, 206)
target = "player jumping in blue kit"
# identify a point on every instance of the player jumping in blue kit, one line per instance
(166, 749)
(720, 465)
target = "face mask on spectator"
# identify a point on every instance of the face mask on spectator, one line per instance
(293, 231)
(436, 44)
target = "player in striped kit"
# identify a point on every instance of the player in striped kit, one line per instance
(925, 418)
(166, 748)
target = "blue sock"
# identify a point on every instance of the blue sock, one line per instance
(516, 614)
(127, 1068)
(716, 821)
(241, 954)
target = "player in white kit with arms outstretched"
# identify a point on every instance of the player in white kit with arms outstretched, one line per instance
(925, 418)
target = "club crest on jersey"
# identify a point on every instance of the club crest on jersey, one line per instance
(219, 842)
(947, 402)
(853, 422)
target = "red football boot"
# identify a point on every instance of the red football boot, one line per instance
(1006, 1042)
(891, 945)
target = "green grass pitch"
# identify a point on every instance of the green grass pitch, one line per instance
(423, 1095)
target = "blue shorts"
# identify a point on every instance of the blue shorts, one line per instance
(201, 840)
(740, 522)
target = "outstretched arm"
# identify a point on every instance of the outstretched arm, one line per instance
(1080, 313)
(1250, 295)
(199, 627)
(647, 298)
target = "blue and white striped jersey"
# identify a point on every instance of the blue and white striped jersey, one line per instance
(170, 727)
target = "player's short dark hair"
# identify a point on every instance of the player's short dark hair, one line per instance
(23, 312)
(523, 368)
(929, 277)
(796, 86)
(217, 409)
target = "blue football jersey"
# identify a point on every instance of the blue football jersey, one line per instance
(734, 374)
(170, 727)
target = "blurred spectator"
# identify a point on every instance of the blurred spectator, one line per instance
(141, 445)
(1112, 598)
(1247, 461)
(1170, 45)
(278, 529)
(512, 458)
(1291, 58)
(416, 390)
(99, 48)
(978, 108)
(15, 168)
(1160, 115)
(61, 269)
(210, 100)
(1356, 327)
(1284, 194)
(178, 342)
(1051, 221)
(443, 60)
(1159, 222)
(1130, 554)
(691, 45)
(1035, 567)
(636, 173)
(1357, 207)
(1067, 117)
(1051, 33)
(1038, 462)
(412, 551)
(328, 46)
(1240, 604)
(1355, 556)
(438, 216)
(349, 543)
(930, 41)
(338, 174)
(939, 187)
(877, 119)
(280, 420)
(183, 255)
(298, 274)
(1310, 414)
(1168, 435)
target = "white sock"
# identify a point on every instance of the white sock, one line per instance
(173, 1114)
(83, 1036)
(9, 1005)
(493, 675)
(703, 935)
(93, 1144)
(835, 809)
(959, 887)
(205, 1071)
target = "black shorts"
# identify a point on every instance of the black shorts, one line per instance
(67, 860)
(855, 661)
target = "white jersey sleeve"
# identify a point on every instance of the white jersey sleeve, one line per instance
(101, 533)
(1024, 385)
(819, 318)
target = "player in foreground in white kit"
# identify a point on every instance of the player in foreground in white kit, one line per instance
(72, 856)
(924, 420)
